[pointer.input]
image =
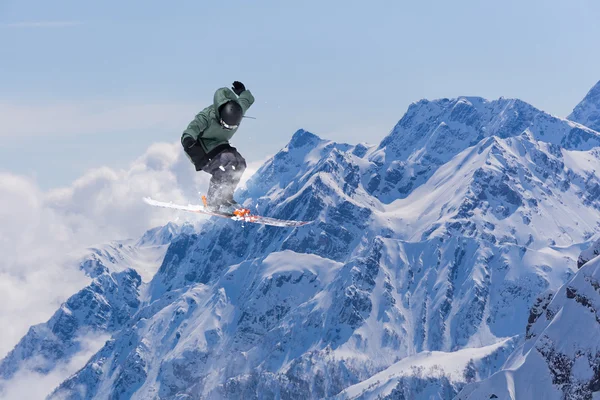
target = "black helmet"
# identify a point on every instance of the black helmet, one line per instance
(231, 114)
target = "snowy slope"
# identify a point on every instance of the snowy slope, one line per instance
(96, 311)
(184, 340)
(561, 359)
(421, 375)
(500, 206)
(589, 254)
(587, 112)
(144, 254)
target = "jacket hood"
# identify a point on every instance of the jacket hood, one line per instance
(222, 96)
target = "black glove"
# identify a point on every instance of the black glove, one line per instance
(188, 142)
(238, 87)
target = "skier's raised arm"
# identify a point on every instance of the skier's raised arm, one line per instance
(245, 98)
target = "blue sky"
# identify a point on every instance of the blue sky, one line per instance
(90, 84)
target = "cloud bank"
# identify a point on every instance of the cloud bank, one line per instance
(34, 243)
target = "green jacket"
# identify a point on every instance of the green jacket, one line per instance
(206, 129)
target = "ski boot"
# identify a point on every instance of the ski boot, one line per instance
(226, 206)
(230, 206)
(211, 206)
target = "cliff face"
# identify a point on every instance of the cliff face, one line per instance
(561, 357)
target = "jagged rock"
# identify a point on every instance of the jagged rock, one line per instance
(562, 352)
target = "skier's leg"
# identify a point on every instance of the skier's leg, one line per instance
(234, 167)
(214, 195)
(226, 169)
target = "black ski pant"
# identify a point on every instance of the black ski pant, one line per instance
(226, 169)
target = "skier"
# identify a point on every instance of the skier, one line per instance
(206, 143)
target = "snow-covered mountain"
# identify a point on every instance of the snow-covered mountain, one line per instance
(587, 112)
(433, 132)
(561, 357)
(435, 243)
(432, 375)
(103, 307)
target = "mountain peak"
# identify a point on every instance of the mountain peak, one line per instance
(587, 112)
(302, 138)
(160, 235)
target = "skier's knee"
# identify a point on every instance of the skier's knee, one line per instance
(241, 163)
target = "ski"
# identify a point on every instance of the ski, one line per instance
(243, 215)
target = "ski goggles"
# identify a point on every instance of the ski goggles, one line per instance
(229, 127)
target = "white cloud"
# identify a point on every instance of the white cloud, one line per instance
(34, 242)
(56, 119)
(106, 204)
